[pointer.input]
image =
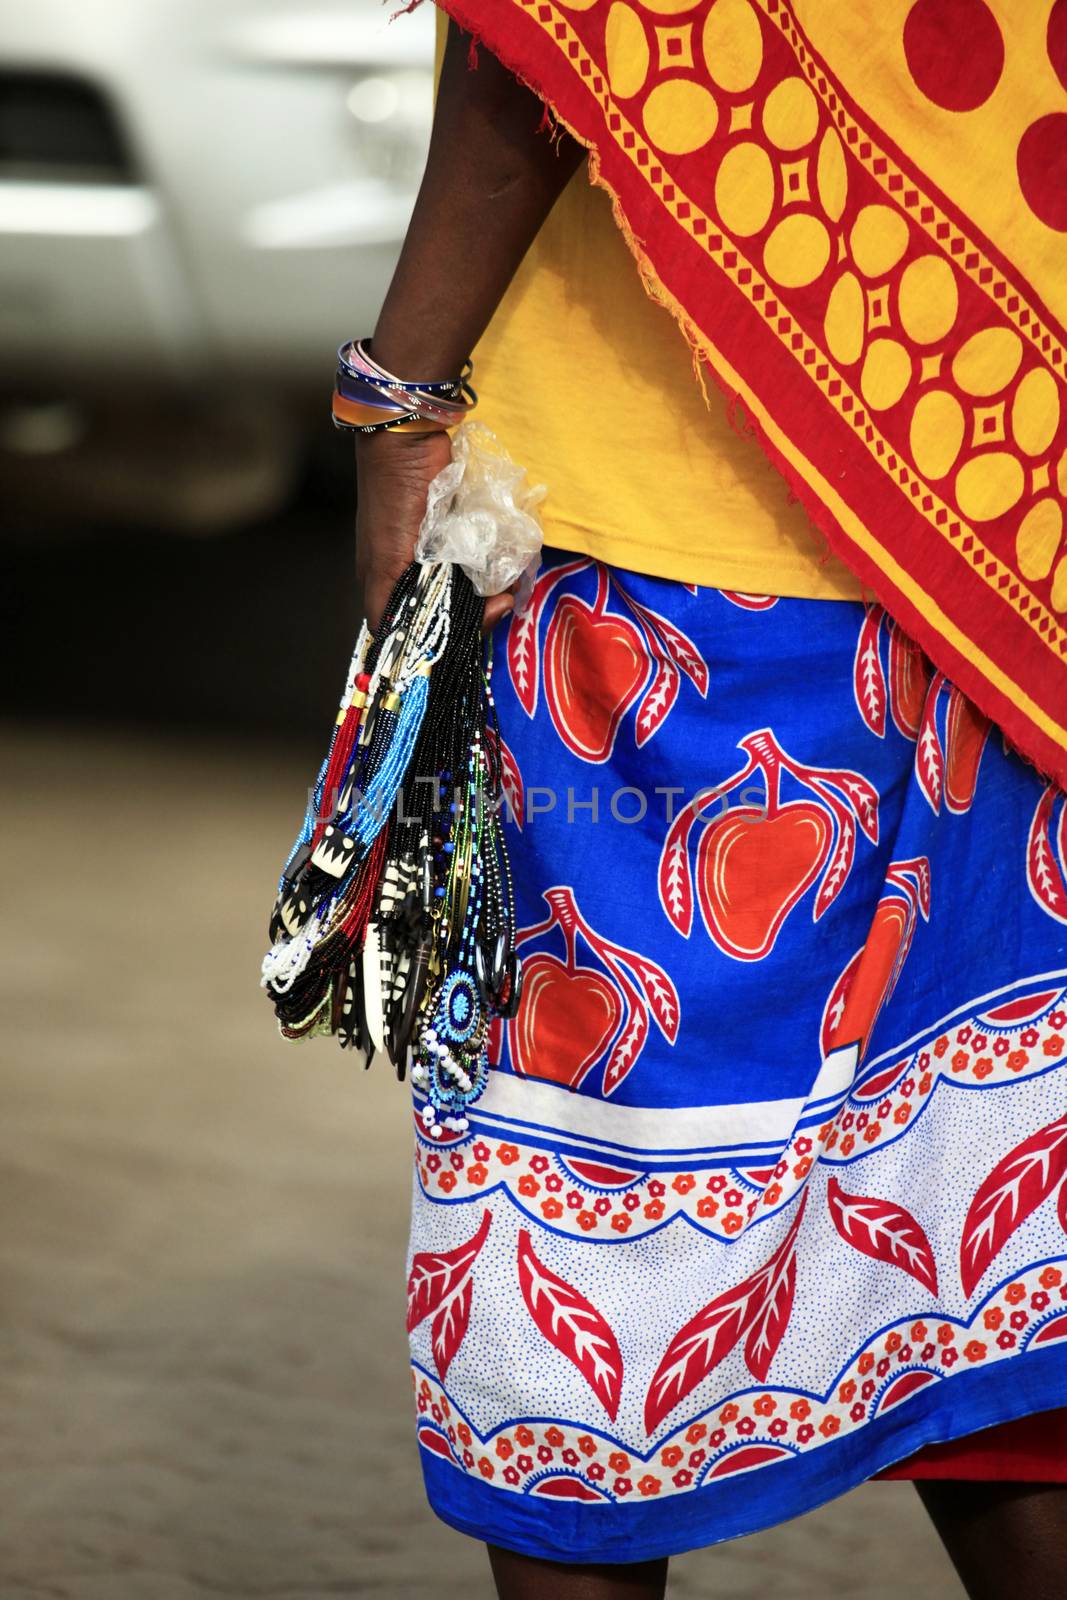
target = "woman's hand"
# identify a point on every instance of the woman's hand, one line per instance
(394, 472)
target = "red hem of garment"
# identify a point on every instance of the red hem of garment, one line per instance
(1031, 1449)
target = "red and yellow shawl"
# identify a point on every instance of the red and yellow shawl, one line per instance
(857, 211)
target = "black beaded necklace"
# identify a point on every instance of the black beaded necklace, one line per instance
(394, 930)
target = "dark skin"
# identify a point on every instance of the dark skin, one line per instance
(524, 1578)
(1003, 1538)
(492, 176)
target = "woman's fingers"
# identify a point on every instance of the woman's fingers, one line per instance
(394, 471)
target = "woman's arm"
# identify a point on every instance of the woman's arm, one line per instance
(492, 175)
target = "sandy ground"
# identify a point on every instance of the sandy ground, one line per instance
(203, 1384)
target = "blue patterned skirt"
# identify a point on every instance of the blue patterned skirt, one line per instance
(767, 1188)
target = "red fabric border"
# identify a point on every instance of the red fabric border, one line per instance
(825, 440)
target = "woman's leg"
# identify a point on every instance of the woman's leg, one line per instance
(1005, 1539)
(527, 1578)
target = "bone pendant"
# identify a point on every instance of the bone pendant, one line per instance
(334, 853)
(372, 988)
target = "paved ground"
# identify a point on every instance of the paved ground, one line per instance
(203, 1385)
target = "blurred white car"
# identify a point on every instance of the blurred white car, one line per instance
(199, 199)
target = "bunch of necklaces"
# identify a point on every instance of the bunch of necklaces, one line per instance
(393, 927)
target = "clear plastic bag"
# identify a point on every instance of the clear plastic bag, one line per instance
(481, 513)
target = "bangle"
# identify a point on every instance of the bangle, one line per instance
(368, 399)
(351, 418)
(356, 355)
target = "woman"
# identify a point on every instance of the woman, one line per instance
(761, 1197)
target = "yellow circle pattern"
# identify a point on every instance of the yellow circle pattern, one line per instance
(744, 188)
(928, 299)
(831, 175)
(1038, 538)
(732, 42)
(886, 373)
(626, 51)
(791, 114)
(680, 116)
(988, 485)
(878, 240)
(987, 361)
(936, 433)
(845, 323)
(783, 172)
(797, 250)
(1035, 412)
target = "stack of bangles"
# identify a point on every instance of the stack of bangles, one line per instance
(367, 399)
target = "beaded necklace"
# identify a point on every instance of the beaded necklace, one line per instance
(393, 927)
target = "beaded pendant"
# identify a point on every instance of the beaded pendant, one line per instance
(451, 1064)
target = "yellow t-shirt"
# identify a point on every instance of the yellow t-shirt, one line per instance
(589, 385)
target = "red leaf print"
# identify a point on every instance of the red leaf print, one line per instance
(523, 631)
(861, 795)
(779, 1278)
(1061, 1206)
(765, 1334)
(929, 757)
(675, 876)
(868, 678)
(683, 652)
(573, 1325)
(436, 1274)
(449, 1326)
(522, 657)
(657, 700)
(511, 783)
(838, 867)
(697, 1348)
(1043, 872)
(883, 1231)
(662, 997)
(627, 1049)
(1015, 1187)
(662, 636)
(761, 1302)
